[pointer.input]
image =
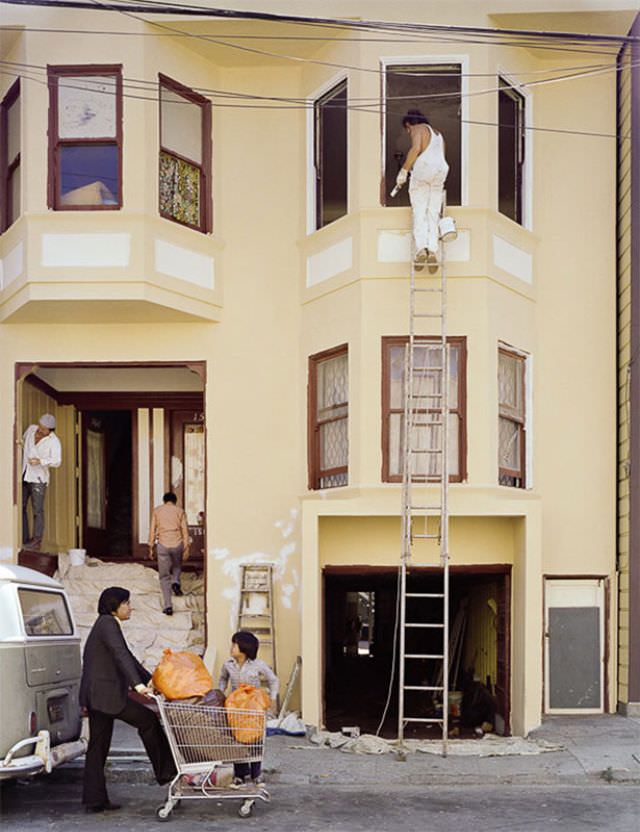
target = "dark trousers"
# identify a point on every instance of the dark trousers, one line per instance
(100, 730)
(242, 769)
(35, 491)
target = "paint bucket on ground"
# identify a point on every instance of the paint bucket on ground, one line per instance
(455, 702)
(77, 557)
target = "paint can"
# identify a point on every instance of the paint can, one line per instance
(455, 703)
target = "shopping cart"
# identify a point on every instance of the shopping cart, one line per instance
(202, 740)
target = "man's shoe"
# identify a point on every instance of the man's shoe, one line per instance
(103, 807)
(177, 590)
(168, 610)
(420, 259)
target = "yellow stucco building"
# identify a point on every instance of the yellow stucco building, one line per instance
(205, 279)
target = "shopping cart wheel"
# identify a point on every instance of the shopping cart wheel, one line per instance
(163, 812)
(246, 810)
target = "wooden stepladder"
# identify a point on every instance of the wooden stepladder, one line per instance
(256, 610)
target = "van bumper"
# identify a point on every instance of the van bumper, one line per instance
(44, 757)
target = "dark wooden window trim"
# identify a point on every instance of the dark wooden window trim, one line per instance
(507, 89)
(318, 113)
(7, 166)
(54, 73)
(206, 208)
(459, 341)
(313, 425)
(521, 472)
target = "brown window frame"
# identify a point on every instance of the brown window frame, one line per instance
(521, 473)
(459, 341)
(313, 424)
(206, 209)
(321, 105)
(54, 73)
(7, 166)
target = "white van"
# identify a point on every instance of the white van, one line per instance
(41, 725)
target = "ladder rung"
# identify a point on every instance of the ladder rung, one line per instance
(424, 289)
(421, 478)
(425, 508)
(266, 614)
(421, 687)
(427, 369)
(426, 450)
(255, 590)
(424, 595)
(421, 719)
(415, 624)
(426, 536)
(426, 424)
(427, 395)
(427, 315)
(423, 656)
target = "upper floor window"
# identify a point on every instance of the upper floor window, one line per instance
(330, 154)
(435, 90)
(511, 418)
(85, 137)
(10, 156)
(185, 155)
(426, 436)
(329, 418)
(511, 148)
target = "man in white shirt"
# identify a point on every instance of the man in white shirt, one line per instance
(41, 451)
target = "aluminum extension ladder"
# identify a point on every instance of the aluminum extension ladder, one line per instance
(256, 610)
(426, 408)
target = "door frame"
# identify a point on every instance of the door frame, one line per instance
(605, 605)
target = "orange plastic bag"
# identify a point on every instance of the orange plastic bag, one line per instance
(247, 727)
(181, 675)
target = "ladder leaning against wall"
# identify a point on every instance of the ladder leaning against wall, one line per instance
(425, 492)
(255, 608)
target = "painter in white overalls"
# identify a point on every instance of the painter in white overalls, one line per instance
(429, 170)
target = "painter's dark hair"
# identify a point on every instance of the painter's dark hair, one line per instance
(111, 598)
(169, 497)
(414, 117)
(247, 643)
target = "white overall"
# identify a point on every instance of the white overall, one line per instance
(425, 193)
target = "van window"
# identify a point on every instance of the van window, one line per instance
(45, 613)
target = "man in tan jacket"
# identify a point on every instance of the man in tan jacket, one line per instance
(169, 530)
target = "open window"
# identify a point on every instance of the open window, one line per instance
(511, 149)
(85, 137)
(511, 419)
(10, 157)
(185, 155)
(428, 465)
(329, 419)
(330, 155)
(435, 90)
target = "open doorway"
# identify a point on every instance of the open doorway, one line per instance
(360, 606)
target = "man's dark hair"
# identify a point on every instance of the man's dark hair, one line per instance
(111, 599)
(247, 643)
(170, 497)
(414, 117)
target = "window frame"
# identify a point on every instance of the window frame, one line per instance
(428, 60)
(313, 425)
(54, 73)
(522, 473)
(510, 89)
(318, 102)
(206, 207)
(389, 341)
(8, 167)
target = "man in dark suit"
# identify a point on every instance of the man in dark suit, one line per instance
(110, 671)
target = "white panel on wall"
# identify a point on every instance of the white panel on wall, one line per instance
(184, 264)
(12, 265)
(86, 249)
(144, 484)
(512, 259)
(395, 247)
(158, 455)
(330, 262)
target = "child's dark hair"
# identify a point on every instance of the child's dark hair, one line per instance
(247, 643)
(414, 117)
(169, 497)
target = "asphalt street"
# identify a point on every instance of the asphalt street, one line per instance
(53, 804)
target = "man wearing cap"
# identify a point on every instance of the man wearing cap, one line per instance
(41, 451)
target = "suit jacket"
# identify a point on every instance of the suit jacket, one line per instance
(109, 668)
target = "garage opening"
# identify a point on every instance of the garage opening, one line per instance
(360, 606)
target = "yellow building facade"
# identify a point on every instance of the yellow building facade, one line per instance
(197, 233)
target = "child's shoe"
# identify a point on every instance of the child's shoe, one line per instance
(258, 782)
(236, 783)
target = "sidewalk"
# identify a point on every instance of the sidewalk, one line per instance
(594, 749)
